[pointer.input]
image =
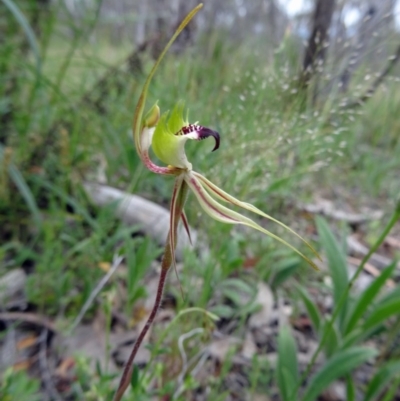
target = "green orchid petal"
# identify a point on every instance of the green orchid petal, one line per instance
(225, 215)
(176, 121)
(170, 148)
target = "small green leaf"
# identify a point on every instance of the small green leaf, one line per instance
(312, 309)
(239, 285)
(381, 379)
(332, 338)
(367, 297)
(26, 193)
(390, 394)
(287, 368)
(338, 366)
(392, 295)
(223, 311)
(352, 338)
(336, 262)
(381, 313)
(284, 270)
(350, 389)
(233, 296)
(135, 377)
(278, 184)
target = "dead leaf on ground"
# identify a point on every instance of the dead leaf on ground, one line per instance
(371, 269)
(85, 341)
(65, 367)
(27, 342)
(219, 348)
(393, 242)
(249, 347)
(266, 299)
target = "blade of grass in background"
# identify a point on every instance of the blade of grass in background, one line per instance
(69, 200)
(312, 309)
(20, 17)
(24, 189)
(339, 365)
(365, 300)
(381, 379)
(336, 262)
(380, 314)
(287, 368)
(26, 193)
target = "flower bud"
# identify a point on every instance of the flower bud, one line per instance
(152, 117)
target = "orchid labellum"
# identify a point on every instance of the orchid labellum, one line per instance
(167, 134)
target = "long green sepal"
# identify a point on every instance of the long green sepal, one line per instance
(225, 215)
(224, 196)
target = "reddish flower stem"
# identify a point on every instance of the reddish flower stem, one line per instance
(127, 373)
(168, 257)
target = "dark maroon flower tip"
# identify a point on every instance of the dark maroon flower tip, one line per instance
(206, 132)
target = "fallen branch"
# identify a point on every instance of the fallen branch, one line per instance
(356, 247)
(371, 269)
(327, 208)
(28, 318)
(134, 210)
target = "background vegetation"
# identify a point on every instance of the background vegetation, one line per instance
(70, 74)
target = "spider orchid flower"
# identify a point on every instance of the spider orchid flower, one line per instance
(167, 135)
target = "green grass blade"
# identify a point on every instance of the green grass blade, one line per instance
(79, 209)
(287, 368)
(352, 338)
(331, 333)
(350, 388)
(312, 310)
(30, 35)
(381, 379)
(391, 392)
(26, 193)
(380, 314)
(367, 297)
(392, 295)
(283, 270)
(339, 365)
(336, 262)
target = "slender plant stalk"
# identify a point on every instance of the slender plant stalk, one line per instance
(395, 217)
(168, 257)
(127, 373)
